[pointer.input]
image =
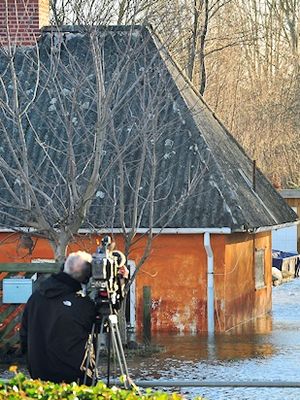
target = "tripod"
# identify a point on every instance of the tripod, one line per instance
(109, 322)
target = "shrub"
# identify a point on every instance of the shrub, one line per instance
(22, 388)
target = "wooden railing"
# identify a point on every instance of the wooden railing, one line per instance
(10, 314)
(45, 268)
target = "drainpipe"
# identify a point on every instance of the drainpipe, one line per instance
(210, 285)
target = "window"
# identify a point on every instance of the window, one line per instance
(259, 268)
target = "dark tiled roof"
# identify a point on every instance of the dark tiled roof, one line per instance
(190, 143)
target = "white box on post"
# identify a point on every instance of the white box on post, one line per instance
(17, 290)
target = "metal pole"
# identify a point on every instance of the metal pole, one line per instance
(213, 384)
(108, 356)
(147, 314)
(206, 384)
(210, 285)
(254, 176)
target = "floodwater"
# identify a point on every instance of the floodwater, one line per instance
(266, 350)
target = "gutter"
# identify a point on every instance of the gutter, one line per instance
(273, 227)
(164, 231)
(290, 193)
(210, 285)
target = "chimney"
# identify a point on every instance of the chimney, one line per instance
(21, 21)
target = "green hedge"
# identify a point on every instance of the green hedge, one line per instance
(22, 388)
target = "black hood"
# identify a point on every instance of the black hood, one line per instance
(59, 284)
(55, 328)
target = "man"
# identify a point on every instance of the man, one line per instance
(57, 321)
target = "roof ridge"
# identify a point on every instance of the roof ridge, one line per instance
(86, 28)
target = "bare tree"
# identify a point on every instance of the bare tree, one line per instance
(84, 117)
(193, 20)
(81, 12)
(244, 57)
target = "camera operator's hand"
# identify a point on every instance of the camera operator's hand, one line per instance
(124, 272)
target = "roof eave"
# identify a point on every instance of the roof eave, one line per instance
(290, 193)
(165, 231)
(273, 227)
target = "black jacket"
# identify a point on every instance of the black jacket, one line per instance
(55, 327)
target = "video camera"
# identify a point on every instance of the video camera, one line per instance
(106, 282)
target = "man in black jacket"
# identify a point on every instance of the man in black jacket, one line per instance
(57, 321)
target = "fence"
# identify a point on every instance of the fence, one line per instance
(11, 314)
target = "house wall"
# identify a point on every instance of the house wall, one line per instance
(242, 301)
(11, 247)
(44, 13)
(176, 272)
(295, 202)
(20, 21)
(177, 275)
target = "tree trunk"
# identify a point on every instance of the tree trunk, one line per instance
(193, 43)
(60, 245)
(202, 85)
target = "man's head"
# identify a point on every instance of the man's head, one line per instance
(78, 266)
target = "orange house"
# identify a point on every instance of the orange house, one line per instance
(177, 273)
(209, 268)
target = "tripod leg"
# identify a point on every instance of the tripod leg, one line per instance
(118, 347)
(115, 346)
(121, 355)
(119, 340)
(95, 372)
(89, 350)
(108, 356)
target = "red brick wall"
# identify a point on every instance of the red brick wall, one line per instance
(21, 20)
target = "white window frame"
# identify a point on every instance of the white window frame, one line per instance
(260, 281)
(132, 306)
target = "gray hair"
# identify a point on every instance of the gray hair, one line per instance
(73, 259)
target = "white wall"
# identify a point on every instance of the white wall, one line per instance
(285, 239)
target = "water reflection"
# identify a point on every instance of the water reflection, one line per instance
(244, 342)
(264, 349)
